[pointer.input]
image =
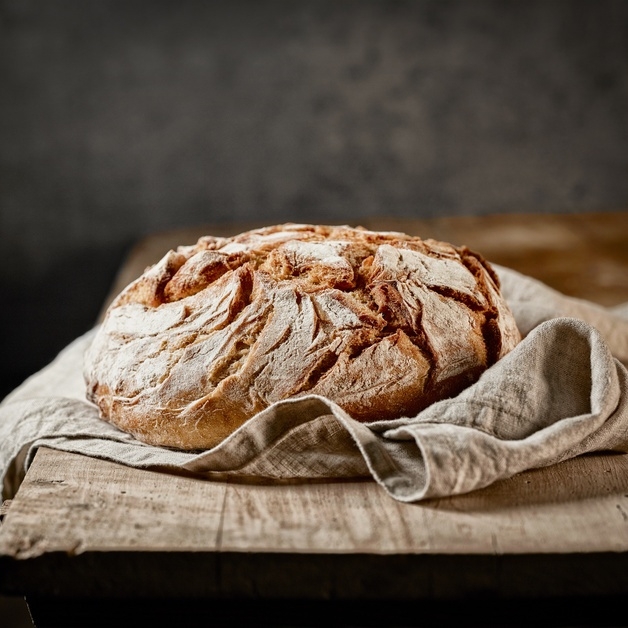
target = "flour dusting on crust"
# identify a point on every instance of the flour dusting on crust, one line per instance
(382, 323)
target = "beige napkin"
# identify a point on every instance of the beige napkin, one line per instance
(562, 392)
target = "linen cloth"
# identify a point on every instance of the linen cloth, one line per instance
(562, 392)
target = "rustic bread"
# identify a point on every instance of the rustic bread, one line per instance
(381, 323)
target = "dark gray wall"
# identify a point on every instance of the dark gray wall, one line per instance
(118, 118)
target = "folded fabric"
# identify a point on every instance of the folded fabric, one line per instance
(561, 393)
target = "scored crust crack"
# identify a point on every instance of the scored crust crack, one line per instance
(382, 323)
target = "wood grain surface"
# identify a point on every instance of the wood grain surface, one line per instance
(76, 520)
(86, 527)
(71, 503)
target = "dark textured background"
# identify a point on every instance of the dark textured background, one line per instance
(118, 118)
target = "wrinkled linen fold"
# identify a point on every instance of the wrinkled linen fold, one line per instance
(562, 392)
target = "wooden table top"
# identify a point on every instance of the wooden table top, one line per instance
(86, 527)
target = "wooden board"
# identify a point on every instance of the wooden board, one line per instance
(87, 529)
(78, 518)
(68, 503)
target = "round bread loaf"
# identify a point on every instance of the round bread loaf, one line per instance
(382, 323)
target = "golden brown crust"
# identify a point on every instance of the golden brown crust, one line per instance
(381, 323)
